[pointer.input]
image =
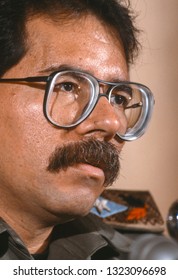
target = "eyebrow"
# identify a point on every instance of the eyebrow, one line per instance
(61, 67)
(67, 67)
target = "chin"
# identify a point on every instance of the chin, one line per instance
(65, 212)
(73, 199)
(67, 217)
(82, 209)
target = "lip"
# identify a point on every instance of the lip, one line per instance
(90, 170)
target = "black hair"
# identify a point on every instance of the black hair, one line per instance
(14, 14)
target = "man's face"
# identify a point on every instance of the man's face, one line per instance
(28, 140)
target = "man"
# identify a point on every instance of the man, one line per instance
(63, 127)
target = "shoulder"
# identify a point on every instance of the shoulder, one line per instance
(90, 237)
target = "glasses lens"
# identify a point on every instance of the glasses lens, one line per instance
(133, 104)
(72, 96)
(69, 99)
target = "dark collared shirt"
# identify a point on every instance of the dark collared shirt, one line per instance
(81, 239)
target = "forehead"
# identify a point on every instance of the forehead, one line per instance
(84, 43)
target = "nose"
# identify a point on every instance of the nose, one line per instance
(103, 123)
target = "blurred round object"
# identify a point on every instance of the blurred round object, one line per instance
(172, 220)
(153, 247)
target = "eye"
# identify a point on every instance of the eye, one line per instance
(67, 87)
(120, 100)
(121, 96)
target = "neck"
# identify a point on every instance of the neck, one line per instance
(34, 234)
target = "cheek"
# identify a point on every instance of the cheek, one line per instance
(25, 131)
(38, 137)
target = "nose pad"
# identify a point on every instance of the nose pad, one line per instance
(103, 122)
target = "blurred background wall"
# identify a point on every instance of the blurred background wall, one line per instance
(151, 163)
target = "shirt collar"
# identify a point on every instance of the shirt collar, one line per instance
(69, 241)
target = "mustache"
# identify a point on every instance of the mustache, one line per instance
(101, 154)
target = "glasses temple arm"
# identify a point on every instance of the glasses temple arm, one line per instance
(27, 79)
(136, 105)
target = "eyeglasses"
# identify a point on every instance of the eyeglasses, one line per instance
(70, 97)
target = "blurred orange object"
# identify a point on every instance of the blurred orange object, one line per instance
(137, 213)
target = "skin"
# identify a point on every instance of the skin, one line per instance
(32, 199)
